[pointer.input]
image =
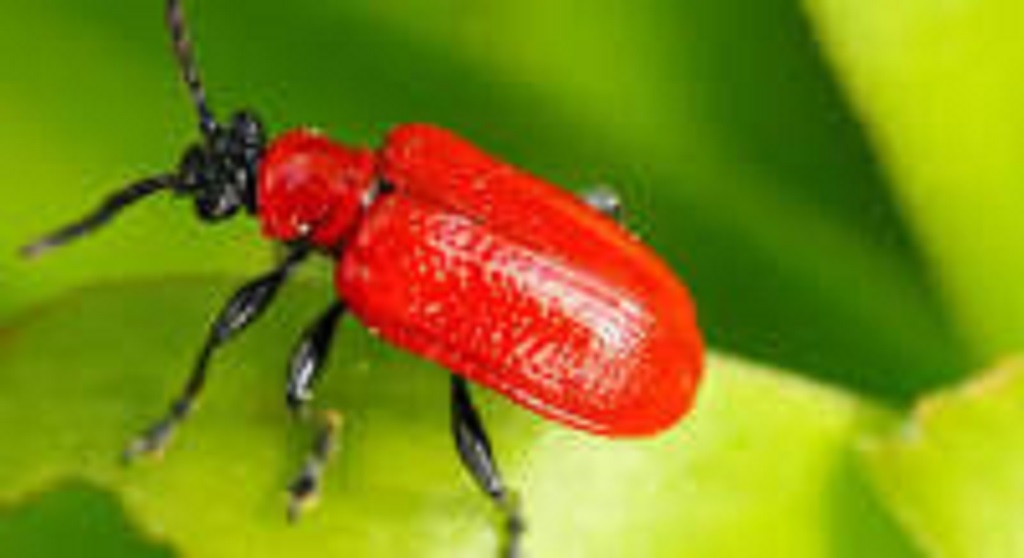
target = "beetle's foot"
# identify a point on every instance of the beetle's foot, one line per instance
(304, 491)
(515, 526)
(152, 442)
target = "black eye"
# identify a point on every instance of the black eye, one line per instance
(247, 129)
(192, 170)
(214, 204)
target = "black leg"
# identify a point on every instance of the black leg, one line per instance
(247, 304)
(477, 457)
(309, 356)
(604, 200)
(304, 369)
(305, 489)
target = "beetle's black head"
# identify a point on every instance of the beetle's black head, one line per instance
(220, 172)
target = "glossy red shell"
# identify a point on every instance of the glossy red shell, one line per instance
(520, 287)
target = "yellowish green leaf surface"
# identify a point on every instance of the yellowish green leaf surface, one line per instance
(765, 466)
(954, 472)
(939, 85)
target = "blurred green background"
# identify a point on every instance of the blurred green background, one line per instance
(838, 182)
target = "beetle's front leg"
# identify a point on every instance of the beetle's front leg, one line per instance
(304, 369)
(477, 457)
(247, 304)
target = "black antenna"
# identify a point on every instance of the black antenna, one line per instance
(187, 63)
(210, 172)
(104, 213)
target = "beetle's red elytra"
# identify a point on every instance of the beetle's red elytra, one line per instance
(493, 273)
(450, 254)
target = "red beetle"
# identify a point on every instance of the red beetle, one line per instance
(494, 274)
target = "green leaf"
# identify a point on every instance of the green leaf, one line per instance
(940, 86)
(954, 472)
(764, 466)
(83, 516)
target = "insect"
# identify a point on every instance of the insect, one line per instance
(501, 278)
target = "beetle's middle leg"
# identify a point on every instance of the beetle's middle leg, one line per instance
(304, 369)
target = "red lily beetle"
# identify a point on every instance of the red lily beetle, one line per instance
(444, 251)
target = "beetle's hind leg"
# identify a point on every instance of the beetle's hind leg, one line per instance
(604, 199)
(304, 369)
(476, 456)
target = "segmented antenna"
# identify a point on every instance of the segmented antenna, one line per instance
(187, 63)
(104, 213)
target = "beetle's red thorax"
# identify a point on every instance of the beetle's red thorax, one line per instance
(310, 186)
